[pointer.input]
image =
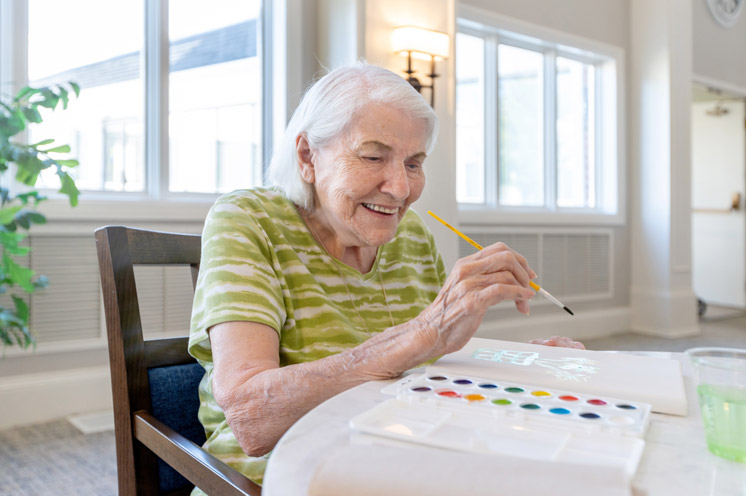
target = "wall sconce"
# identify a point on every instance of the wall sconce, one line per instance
(423, 44)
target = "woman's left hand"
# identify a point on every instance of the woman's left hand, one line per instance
(559, 341)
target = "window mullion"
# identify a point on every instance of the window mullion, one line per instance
(156, 97)
(550, 130)
(599, 144)
(492, 120)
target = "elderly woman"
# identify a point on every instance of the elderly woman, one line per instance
(330, 279)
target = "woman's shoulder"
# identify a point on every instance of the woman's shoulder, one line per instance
(256, 200)
(255, 206)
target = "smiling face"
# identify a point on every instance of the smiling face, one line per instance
(366, 179)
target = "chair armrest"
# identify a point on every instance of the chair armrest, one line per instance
(197, 465)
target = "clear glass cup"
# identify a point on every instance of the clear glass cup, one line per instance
(720, 375)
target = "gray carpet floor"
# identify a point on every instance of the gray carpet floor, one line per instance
(55, 458)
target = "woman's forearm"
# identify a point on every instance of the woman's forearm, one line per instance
(262, 406)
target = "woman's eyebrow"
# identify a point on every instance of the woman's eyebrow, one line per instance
(375, 144)
(384, 147)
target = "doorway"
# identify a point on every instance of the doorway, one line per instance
(718, 188)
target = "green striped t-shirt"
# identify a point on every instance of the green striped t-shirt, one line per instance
(261, 264)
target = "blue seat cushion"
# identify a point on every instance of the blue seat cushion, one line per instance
(174, 398)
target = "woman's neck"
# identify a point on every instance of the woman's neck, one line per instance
(361, 258)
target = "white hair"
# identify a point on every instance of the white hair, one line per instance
(328, 108)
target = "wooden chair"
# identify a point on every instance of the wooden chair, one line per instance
(154, 382)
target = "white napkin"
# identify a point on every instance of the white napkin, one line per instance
(374, 470)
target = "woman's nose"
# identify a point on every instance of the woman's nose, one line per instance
(396, 182)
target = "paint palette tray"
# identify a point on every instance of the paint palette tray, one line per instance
(486, 416)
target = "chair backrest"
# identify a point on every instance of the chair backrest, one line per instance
(157, 376)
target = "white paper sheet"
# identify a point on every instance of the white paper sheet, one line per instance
(653, 380)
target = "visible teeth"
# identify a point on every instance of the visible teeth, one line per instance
(383, 210)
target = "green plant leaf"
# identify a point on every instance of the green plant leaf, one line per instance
(12, 122)
(25, 197)
(11, 242)
(42, 143)
(8, 213)
(58, 149)
(75, 87)
(25, 217)
(29, 166)
(68, 163)
(24, 92)
(63, 97)
(18, 274)
(48, 99)
(31, 114)
(22, 310)
(68, 187)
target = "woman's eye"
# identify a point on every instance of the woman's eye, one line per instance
(372, 159)
(413, 166)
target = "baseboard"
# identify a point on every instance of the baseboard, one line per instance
(33, 398)
(669, 314)
(92, 423)
(585, 325)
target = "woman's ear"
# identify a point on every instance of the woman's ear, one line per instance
(305, 159)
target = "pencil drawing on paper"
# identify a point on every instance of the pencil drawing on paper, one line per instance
(565, 368)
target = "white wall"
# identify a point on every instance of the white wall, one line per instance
(718, 51)
(606, 21)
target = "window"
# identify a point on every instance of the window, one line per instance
(536, 123)
(166, 107)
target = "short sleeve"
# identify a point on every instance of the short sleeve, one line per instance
(239, 277)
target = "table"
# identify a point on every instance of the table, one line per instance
(675, 461)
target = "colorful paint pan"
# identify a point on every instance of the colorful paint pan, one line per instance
(474, 397)
(568, 397)
(540, 393)
(447, 393)
(421, 389)
(491, 398)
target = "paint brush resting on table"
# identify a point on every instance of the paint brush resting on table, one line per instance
(476, 245)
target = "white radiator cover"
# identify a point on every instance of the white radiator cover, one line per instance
(71, 308)
(572, 264)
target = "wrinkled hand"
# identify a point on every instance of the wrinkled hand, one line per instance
(476, 283)
(559, 341)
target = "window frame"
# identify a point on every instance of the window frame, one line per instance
(609, 157)
(156, 197)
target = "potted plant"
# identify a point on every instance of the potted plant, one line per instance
(18, 209)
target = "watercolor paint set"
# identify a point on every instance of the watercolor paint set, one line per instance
(479, 415)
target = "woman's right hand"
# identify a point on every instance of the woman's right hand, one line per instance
(476, 283)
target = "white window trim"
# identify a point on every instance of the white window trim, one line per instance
(280, 80)
(476, 20)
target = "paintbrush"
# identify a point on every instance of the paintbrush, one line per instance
(476, 245)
